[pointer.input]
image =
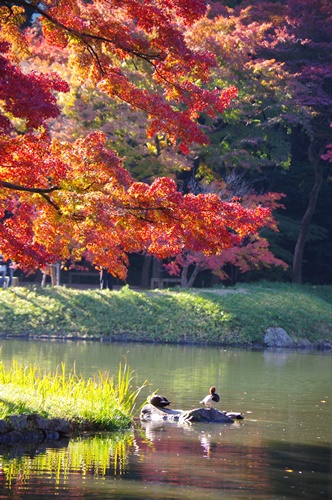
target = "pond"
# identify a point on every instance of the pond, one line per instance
(282, 448)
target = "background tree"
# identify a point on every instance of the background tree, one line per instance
(305, 51)
(279, 54)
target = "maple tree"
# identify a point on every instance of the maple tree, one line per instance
(245, 138)
(85, 108)
(252, 133)
(328, 154)
(61, 200)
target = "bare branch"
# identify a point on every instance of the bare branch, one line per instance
(17, 187)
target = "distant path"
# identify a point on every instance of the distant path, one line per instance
(221, 291)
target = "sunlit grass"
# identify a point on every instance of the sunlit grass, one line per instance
(101, 402)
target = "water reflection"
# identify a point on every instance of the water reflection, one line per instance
(206, 458)
(97, 456)
(261, 468)
(202, 461)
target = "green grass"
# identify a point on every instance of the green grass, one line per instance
(102, 402)
(226, 316)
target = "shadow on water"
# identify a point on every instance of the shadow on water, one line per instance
(300, 471)
(29, 450)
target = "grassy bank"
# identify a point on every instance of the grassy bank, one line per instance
(226, 316)
(102, 402)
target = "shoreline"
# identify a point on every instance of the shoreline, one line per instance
(321, 345)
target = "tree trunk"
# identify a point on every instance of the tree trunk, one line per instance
(314, 158)
(53, 271)
(184, 276)
(145, 276)
(185, 282)
(193, 276)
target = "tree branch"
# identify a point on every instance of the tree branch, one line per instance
(42, 191)
(147, 57)
(81, 35)
(17, 187)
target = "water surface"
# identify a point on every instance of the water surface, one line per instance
(282, 449)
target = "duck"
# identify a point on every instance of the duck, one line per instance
(211, 399)
(159, 401)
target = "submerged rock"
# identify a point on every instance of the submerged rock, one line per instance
(12, 437)
(34, 436)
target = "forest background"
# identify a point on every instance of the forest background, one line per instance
(237, 102)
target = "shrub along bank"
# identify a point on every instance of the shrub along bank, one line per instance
(237, 316)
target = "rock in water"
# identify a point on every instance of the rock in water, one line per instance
(205, 415)
(210, 415)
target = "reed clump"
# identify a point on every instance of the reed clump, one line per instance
(101, 402)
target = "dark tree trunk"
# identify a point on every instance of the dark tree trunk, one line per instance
(314, 158)
(145, 276)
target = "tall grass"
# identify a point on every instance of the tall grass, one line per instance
(99, 402)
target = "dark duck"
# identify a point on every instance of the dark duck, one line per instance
(211, 399)
(159, 401)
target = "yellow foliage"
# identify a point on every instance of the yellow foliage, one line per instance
(10, 21)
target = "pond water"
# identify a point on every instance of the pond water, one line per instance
(282, 448)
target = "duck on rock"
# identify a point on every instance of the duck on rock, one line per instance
(159, 401)
(211, 399)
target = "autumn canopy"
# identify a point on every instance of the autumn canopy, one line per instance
(61, 200)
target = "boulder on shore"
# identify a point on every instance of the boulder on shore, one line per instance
(278, 337)
(209, 415)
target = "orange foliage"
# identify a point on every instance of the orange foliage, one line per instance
(68, 200)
